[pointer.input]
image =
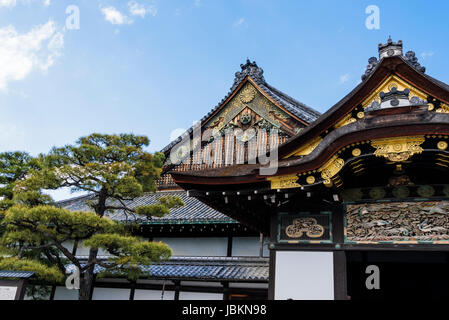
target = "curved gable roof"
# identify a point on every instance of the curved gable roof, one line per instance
(251, 72)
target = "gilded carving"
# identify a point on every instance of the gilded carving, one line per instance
(332, 167)
(247, 94)
(284, 182)
(443, 109)
(309, 226)
(248, 98)
(307, 148)
(398, 221)
(398, 149)
(345, 121)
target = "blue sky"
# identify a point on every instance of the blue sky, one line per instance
(150, 67)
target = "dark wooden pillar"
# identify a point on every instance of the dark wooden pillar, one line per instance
(177, 289)
(225, 290)
(229, 248)
(272, 259)
(340, 272)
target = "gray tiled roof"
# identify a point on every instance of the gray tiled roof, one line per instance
(194, 211)
(251, 69)
(16, 274)
(206, 268)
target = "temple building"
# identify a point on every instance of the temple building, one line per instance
(358, 207)
(283, 202)
(214, 255)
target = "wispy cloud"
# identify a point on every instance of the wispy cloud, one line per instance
(239, 22)
(344, 78)
(13, 3)
(197, 3)
(112, 15)
(8, 3)
(138, 9)
(426, 54)
(20, 54)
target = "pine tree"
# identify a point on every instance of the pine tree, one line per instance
(114, 169)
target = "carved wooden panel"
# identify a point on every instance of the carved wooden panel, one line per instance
(398, 222)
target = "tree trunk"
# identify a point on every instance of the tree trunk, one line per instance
(87, 278)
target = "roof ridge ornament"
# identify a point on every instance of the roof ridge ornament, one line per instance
(395, 98)
(248, 69)
(411, 58)
(391, 49)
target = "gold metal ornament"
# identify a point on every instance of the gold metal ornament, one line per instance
(284, 182)
(310, 179)
(356, 152)
(247, 94)
(442, 145)
(307, 148)
(332, 167)
(309, 226)
(345, 121)
(398, 149)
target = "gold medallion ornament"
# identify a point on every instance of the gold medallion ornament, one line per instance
(247, 95)
(398, 149)
(360, 115)
(310, 179)
(442, 145)
(356, 152)
(309, 226)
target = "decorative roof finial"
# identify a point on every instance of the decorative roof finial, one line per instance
(390, 49)
(248, 69)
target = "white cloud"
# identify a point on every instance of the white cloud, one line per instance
(239, 22)
(20, 54)
(344, 78)
(114, 16)
(137, 9)
(426, 54)
(8, 3)
(13, 3)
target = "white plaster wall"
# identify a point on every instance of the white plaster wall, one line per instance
(153, 295)
(183, 295)
(82, 250)
(110, 294)
(248, 246)
(302, 275)
(196, 246)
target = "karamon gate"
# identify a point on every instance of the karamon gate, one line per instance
(359, 205)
